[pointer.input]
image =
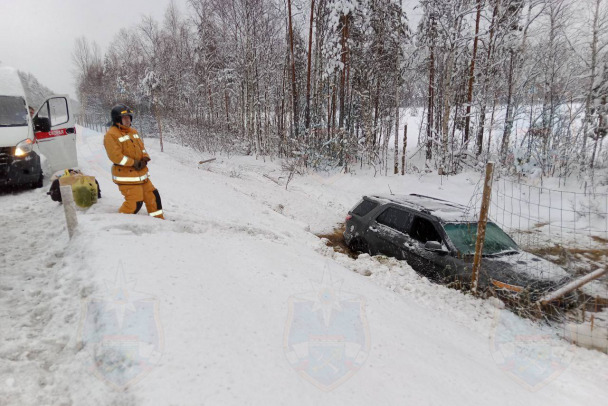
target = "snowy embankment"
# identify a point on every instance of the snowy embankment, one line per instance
(234, 300)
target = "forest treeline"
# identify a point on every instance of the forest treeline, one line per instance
(332, 82)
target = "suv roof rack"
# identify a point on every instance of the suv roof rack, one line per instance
(427, 204)
(446, 202)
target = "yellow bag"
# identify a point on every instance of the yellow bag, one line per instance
(84, 188)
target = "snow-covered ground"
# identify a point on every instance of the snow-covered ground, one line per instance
(234, 300)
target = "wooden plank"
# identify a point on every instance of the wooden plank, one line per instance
(575, 284)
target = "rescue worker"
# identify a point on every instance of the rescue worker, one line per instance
(126, 150)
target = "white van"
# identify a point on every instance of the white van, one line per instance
(50, 134)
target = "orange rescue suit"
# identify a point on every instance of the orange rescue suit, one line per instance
(124, 146)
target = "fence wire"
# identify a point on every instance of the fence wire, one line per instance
(564, 236)
(540, 217)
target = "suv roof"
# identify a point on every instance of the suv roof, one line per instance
(442, 209)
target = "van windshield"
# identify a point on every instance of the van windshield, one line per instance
(13, 112)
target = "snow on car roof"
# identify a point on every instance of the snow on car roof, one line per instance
(10, 83)
(444, 210)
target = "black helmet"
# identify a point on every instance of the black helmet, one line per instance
(120, 110)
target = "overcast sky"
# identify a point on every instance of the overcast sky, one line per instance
(37, 36)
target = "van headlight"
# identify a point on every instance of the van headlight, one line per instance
(24, 148)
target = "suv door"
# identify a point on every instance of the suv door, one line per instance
(434, 264)
(55, 133)
(387, 233)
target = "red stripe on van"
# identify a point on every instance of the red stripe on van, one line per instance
(51, 134)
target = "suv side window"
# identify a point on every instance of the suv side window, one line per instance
(423, 230)
(395, 219)
(364, 207)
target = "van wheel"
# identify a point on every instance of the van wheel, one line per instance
(38, 184)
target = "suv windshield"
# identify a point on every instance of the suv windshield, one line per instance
(12, 111)
(464, 235)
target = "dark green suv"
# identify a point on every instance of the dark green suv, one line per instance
(437, 239)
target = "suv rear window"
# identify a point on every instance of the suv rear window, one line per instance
(364, 207)
(395, 219)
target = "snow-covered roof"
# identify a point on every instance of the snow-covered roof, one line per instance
(10, 84)
(444, 210)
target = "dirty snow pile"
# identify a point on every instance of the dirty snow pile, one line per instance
(234, 301)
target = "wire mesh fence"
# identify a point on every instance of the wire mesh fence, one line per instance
(540, 217)
(562, 236)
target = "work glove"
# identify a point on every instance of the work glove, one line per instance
(139, 165)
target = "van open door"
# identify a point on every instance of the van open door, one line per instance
(55, 133)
